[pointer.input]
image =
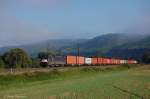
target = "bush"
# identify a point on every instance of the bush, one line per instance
(35, 63)
(2, 65)
(146, 58)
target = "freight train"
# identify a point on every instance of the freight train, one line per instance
(81, 60)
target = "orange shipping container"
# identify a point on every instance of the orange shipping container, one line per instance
(130, 62)
(118, 61)
(94, 61)
(111, 61)
(80, 60)
(107, 61)
(71, 60)
(115, 61)
(104, 60)
(100, 60)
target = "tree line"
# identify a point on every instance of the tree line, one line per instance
(146, 58)
(18, 58)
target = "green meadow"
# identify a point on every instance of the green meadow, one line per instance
(126, 82)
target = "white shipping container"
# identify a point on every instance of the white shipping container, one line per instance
(122, 61)
(88, 60)
(126, 61)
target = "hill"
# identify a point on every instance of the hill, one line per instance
(101, 45)
(131, 50)
(106, 42)
(35, 48)
(143, 43)
(110, 45)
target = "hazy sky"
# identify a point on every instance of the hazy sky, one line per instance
(25, 21)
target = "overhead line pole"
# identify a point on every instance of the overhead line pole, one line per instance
(78, 52)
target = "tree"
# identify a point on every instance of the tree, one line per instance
(2, 65)
(17, 58)
(46, 54)
(146, 57)
(35, 63)
(43, 55)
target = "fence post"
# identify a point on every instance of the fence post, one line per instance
(11, 71)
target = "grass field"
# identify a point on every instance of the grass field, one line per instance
(85, 83)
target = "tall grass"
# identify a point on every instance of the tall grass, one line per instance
(8, 81)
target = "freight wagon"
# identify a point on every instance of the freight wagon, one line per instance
(57, 61)
(81, 60)
(75, 60)
(88, 61)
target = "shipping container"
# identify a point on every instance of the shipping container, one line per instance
(130, 61)
(106, 61)
(118, 61)
(121, 61)
(115, 61)
(88, 61)
(112, 61)
(100, 61)
(80, 60)
(71, 60)
(94, 61)
(126, 61)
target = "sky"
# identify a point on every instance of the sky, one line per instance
(28, 21)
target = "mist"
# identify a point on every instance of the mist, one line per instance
(29, 21)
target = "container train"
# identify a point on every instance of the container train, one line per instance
(81, 60)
